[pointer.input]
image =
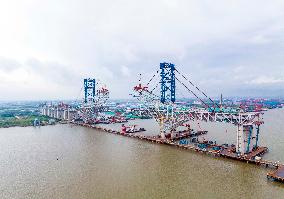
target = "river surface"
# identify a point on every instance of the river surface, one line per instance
(73, 162)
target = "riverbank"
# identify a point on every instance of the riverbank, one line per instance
(23, 121)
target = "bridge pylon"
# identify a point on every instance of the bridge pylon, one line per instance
(247, 137)
(95, 98)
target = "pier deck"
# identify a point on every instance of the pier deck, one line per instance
(229, 152)
(185, 134)
(277, 175)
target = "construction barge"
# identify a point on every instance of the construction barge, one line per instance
(215, 150)
(277, 175)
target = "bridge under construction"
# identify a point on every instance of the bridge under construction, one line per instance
(158, 97)
(170, 115)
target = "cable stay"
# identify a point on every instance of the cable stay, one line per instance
(198, 89)
(207, 106)
(156, 86)
(152, 78)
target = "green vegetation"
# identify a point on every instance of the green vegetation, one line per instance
(20, 114)
(21, 121)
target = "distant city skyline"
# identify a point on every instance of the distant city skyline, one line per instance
(231, 47)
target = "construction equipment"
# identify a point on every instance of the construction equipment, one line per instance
(170, 115)
(95, 101)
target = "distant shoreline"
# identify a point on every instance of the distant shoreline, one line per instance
(8, 122)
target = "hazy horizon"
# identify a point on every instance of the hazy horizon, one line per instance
(231, 47)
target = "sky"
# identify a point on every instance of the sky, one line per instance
(47, 47)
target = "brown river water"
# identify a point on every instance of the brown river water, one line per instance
(73, 162)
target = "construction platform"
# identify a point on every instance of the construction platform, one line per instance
(183, 135)
(225, 152)
(230, 153)
(277, 175)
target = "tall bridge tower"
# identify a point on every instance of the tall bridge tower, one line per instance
(247, 137)
(95, 98)
(89, 90)
(167, 98)
(168, 86)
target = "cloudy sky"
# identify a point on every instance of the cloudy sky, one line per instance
(232, 47)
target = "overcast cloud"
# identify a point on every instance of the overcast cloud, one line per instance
(232, 47)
